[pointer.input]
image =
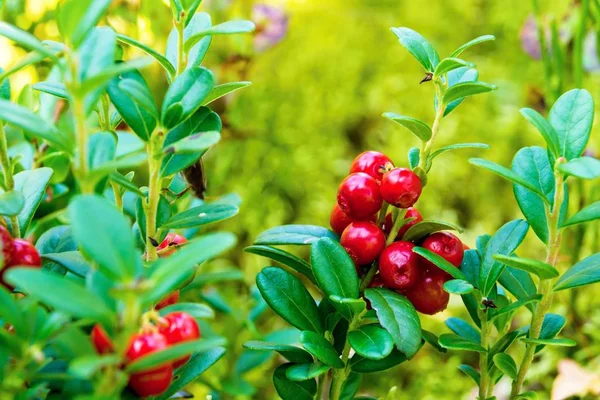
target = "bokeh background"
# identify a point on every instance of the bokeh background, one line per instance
(323, 72)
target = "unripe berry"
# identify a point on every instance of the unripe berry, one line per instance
(359, 196)
(428, 295)
(401, 187)
(372, 163)
(399, 267)
(363, 241)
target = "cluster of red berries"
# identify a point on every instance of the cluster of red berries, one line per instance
(16, 252)
(373, 179)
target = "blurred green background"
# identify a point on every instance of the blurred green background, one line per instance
(316, 102)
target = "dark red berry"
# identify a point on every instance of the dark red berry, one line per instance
(155, 380)
(372, 163)
(7, 243)
(363, 241)
(399, 267)
(168, 300)
(24, 254)
(446, 245)
(428, 295)
(359, 196)
(101, 340)
(401, 187)
(339, 220)
(411, 212)
(180, 327)
(169, 245)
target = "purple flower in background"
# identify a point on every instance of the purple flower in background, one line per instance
(529, 38)
(590, 53)
(271, 26)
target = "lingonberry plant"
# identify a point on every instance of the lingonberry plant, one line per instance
(496, 283)
(381, 263)
(93, 309)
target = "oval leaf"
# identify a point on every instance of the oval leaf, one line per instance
(539, 268)
(321, 349)
(371, 341)
(464, 89)
(458, 286)
(589, 213)
(294, 234)
(585, 272)
(424, 228)
(283, 257)
(571, 117)
(418, 47)
(505, 363)
(451, 341)
(582, 167)
(419, 128)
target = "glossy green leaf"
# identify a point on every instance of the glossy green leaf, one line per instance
(536, 267)
(54, 88)
(185, 95)
(356, 306)
(292, 353)
(506, 174)
(451, 341)
(589, 213)
(418, 47)
(458, 146)
(424, 228)
(432, 339)
(504, 242)
(458, 286)
(140, 94)
(582, 167)
(419, 128)
(125, 183)
(72, 261)
(224, 89)
(562, 342)
(25, 39)
(413, 157)
(365, 365)
(86, 366)
(11, 312)
(321, 349)
(196, 143)
(11, 203)
(514, 306)
(151, 52)
(470, 43)
(371, 341)
(194, 309)
(226, 28)
(440, 262)
(205, 214)
(284, 258)
(197, 23)
(464, 89)
(585, 272)
(505, 342)
(294, 234)
(32, 185)
(544, 127)
(455, 77)
(398, 316)
(286, 295)
(551, 327)
(505, 363)
(306, 371)
(571, 117)
(519, 283)
(292, 390)
(76, 18)
(463, 329)
(449, 64)
(114, 70)
(470, 372)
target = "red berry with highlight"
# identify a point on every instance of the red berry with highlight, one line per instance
(168, 300)
(359, 196)
(363, 241)
(169, 245)
(428, 295)
(411, 212)
(339, 220)
(156, 380)
(446, 245)
(24, 255)
(180, 327)
(7, 243)
(401, 187)
(399, 267)
(372, 163)
(101, 340)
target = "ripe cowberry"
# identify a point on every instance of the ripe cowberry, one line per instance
(155, 380)
(8, 247)
(446, 245)
(411, 212)
(363, 241)
(399, 267)
(401, 187)
(24, 254)
(428, 295)
(372, 163)
(180, 327)
(169, 245)
(168, 300)
(359, 196)
(339, 220)
(101, 340)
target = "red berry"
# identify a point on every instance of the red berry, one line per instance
(428, 295)
(399, 267)
(339, 220)
(377, 282)
(172, 240)
(359, 196)
(24, 254)
(168, 300)
(411, 212)
(363, 241)
(101, 340)
(8, 247)
(153, 381)
(180, 327)
(372, 163)
(446, 245)
(401, 187)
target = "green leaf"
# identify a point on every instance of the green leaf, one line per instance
(125, 183)
(419, 128)
(351, 386)
(440, 262)
(539, 268)
(543, 127)
(54, 88)
(356, 306)
(585, 272)
(455, 77)
(292, 353)
(33, 124)
(424, 228)
(514, 306)
(450, 64)
(226, 28)
(52, 290)
(197, 23)
(470, 43)
(288, 297)
(365, 365)
(398, 316)
(589, 213)
(104, 234)
(292, 390)
(11, 312)
(140, 94)
(321, 349)
(582, 167)
(571, 117)
(527, 396)
(224, 89)
(294, 234)
(72, 261)
(371, 341)
(25, 39)
(335, 272)
(464, 329)
(11, 203)
(284, 258)
(29, 59)
(563, 342)
(151, 52)
(464, 89)
(458, 146)
(518, 282)
(458, 286)
(504, 242)
(451, 341)
(194, 309)
(115, 70)
(418, 47)
(76, 18)
(306, 371)
(551, 327)
(505, 363)
(414, 157)
(505, 342)
(196, 143)
(32, 186)
(173, 352)
(205, 214)
(470, 372)
(185, 95)
(506, 174)
(85, 367)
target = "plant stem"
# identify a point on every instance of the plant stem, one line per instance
(154, 187)
(435, 128)
(398, 224)
(181, 56)
(118, 197)
(9, 182)
(484, 385)
(340, 375)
